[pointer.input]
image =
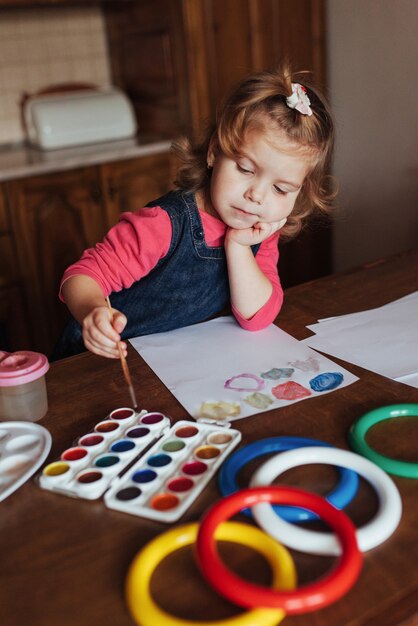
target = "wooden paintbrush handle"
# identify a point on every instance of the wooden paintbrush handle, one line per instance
(125, 368)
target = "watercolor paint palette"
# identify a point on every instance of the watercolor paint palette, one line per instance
(86, 469)
(24, 446)
(164, 482)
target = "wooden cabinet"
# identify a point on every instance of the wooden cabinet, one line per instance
(13, 329)
(148, 61)
(52, 219)
(176, 60)
(130, 184)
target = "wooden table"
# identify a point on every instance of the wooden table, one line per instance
(64, 561)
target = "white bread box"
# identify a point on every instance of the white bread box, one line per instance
(73, 118)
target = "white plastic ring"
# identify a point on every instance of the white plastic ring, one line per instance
(369, 536)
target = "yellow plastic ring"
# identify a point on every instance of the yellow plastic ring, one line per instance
(147, 613)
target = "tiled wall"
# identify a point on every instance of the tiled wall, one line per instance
(45, 46)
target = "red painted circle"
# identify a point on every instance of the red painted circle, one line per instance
(194, 468)
(91, 440)
(74, 454)
(180, 484)
(121, 414)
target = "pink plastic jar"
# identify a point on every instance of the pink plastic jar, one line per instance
(23, 393)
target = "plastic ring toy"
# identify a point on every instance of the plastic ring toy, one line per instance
(309, 597)
(369, 536)
(339, 497)
(357, 438)
(146, 612)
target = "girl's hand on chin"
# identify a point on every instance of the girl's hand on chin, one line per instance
(258, 233)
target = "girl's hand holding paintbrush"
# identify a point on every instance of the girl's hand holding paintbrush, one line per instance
(101, 331)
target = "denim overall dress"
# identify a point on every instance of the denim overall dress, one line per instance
(188, 285)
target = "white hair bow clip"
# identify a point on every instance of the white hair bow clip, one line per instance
(299, 99)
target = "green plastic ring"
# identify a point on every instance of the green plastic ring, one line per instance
(357, 438)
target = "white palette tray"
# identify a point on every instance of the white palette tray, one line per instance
(164, 482)
(86, 469)
(24, 446)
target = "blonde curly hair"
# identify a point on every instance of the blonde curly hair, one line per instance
(259, 102)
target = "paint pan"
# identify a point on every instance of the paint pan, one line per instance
(165, 481)
(86, 469)
(24, 446)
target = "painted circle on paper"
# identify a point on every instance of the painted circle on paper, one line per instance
(326, 381)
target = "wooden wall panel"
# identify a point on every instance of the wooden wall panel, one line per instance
(147, 61)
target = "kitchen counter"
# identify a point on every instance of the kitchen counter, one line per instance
(21, 160)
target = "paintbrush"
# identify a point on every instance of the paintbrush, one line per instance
(124, 364)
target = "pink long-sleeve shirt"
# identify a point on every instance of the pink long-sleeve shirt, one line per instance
(133, 247)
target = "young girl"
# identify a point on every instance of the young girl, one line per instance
(214, 240)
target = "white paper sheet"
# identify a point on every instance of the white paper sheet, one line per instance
(196, 362)
(383, 340)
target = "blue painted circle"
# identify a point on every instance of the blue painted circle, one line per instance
(326, 381)
(227, 482)
(122, 446)
(144, 476)
(159, 460)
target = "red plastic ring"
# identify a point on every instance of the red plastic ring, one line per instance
(309, 597)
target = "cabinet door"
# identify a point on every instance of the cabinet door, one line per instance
(13, 312)
(9, 273)
(147, 61)
(53, 219)
(14, 329)
(228, 39)
(130, 185)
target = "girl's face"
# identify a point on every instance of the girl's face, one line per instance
(259, 185)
